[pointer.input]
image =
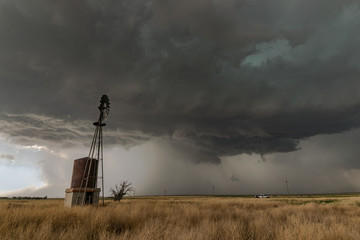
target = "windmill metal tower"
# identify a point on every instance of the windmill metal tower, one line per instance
(287, 186)
(84, 189)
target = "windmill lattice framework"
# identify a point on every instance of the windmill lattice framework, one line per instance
(84, 185)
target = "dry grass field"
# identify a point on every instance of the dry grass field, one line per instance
(331, 217)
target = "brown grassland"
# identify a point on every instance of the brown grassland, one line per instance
(323, 217)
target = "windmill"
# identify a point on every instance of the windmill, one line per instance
(287, 186)
(84, 188)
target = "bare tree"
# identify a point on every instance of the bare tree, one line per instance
(124, 188)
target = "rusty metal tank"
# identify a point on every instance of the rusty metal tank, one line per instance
(81, 166)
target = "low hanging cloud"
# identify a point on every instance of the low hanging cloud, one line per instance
(212, 78)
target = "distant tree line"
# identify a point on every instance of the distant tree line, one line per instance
(23, 197)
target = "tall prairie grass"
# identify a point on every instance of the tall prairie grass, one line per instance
(184, 218)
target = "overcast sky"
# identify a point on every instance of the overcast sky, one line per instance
(236, 94)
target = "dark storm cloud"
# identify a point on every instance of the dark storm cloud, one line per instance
(192, 72)
(51, 131)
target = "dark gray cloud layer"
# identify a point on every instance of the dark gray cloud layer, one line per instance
(215, 78)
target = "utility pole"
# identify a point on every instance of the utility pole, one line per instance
(287, 186)
(213, 188)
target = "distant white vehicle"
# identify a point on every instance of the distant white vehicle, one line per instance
(261, 196)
